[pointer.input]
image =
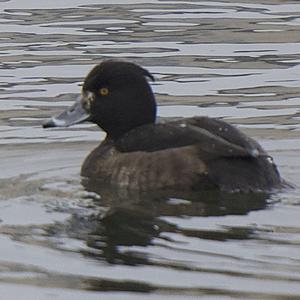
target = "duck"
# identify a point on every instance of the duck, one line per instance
(140, 153)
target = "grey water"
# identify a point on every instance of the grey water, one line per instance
(236, 60)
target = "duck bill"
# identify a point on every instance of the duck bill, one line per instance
(73, 115)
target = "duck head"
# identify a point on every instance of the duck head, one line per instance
(116, 96)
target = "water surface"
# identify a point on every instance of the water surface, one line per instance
(61, 239)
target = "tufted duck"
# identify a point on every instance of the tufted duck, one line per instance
(138, 153)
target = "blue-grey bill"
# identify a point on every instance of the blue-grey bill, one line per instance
(71, 116)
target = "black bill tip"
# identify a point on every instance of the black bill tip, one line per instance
(54, 122)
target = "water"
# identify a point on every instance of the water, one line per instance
(61, 240)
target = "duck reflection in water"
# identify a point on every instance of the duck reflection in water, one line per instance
(139, 219)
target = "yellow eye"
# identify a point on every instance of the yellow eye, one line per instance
(104, 91)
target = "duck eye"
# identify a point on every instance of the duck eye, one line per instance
(104, 91)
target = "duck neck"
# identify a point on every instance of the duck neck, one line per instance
(118, 132)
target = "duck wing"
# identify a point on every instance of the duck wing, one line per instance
(226, 136)
(212, 137)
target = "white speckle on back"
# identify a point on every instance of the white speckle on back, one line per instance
(254, 152)
(182, 125)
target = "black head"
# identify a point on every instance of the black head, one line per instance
(116, 96)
